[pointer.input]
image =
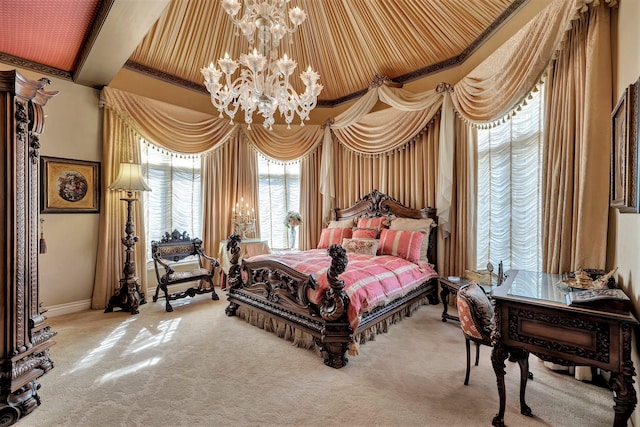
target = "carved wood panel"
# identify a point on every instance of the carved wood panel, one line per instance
(27, 336)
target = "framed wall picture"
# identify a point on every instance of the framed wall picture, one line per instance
(69, 186)
(624, 152)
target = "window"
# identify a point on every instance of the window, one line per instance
(279, 187)
(509, 190)
(174, 202)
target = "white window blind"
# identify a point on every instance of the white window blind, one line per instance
(174, 202)
(509, 190)
(279, 187)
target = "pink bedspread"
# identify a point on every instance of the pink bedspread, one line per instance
(370, 281)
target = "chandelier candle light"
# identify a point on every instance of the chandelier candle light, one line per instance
(263, 84)
(243, 220)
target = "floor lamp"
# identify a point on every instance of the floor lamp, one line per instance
(128, 296)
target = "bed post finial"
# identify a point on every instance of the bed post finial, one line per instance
(335, 300)
(233, 246)
(338, 265)
(337, 333)
(233, 278)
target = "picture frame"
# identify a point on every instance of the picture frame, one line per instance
(69, 186)
(624, 174)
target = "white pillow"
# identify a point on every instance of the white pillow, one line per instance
(343, 223)
(410, 224)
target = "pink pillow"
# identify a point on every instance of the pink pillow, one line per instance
(401, 243)
(378, 221)
(333, 236)
(365, 233)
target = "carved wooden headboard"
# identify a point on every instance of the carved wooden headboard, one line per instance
(379, 204)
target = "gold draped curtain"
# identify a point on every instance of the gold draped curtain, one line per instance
(407, 173)
(113, 215)
(577, 147)
(571, 37)
(229, 171)
(228, 174)
(298, 144)
(494, 88)
(408, 151)
(126, 119)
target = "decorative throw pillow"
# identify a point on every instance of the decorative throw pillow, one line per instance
(378, 221)
(479, 308)
(410, 224)
(401, 243)
(343, 223)
(365, 233)
(360, 246)
(333, 236)
(466, 319)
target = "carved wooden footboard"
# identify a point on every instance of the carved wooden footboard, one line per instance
(275, 289)
(280, 292)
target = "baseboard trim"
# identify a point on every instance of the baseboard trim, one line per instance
(67, 308)
(76, 306)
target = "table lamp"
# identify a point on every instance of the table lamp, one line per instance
(128, 296)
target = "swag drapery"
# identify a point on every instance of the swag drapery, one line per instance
(420, 150)
(229, 170)
(568, 42)
(492, 92)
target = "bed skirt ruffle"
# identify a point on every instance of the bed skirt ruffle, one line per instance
(281, 329)
(305, 340)
(382, 327)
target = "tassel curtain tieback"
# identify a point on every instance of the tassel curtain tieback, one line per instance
(43, 243)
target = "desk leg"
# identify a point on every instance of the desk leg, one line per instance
(444, 296)
(522, 357)
(624, 394)
(498, 355)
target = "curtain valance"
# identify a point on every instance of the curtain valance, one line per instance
(496, 87)
(384, 131)
(375, 133)
(284, 144)
(175, 128)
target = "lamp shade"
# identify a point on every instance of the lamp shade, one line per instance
(130, 179)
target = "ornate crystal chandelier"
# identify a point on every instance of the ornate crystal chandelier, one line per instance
(263, 84)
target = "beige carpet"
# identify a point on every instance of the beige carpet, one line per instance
(197, 367)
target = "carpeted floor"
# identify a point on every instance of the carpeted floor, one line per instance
(197, 367)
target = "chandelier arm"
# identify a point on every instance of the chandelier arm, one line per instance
(263, 86)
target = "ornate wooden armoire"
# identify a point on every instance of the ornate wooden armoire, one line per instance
(26, 335)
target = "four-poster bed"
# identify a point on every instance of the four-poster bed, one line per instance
(323, 301)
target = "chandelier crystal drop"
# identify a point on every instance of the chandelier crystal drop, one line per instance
(263, 84)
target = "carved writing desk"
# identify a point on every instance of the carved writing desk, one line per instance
(532, 316)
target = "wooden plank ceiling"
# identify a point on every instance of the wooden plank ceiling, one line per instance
(347, 42)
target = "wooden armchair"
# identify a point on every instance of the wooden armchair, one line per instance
(172, 248)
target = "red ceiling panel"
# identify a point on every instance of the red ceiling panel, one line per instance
(49, 32)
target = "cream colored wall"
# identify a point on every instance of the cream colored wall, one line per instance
(623, 249)
(72, 130)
